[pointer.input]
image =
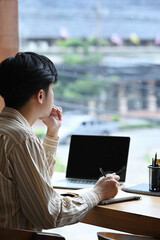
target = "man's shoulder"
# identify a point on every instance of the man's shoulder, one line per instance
(16, 133)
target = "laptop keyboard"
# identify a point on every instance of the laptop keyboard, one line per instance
(81, 181)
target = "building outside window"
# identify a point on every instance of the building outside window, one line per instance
(107, 54)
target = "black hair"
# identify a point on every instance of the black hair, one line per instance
(23, 75)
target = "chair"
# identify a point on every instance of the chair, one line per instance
(17, 234)
(118, 236)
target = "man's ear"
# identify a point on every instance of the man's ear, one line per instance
(40, 96)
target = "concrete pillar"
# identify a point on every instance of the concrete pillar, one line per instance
(123, 107)
(91, 107)
(151, 98)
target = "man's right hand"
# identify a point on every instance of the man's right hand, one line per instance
(107, 187)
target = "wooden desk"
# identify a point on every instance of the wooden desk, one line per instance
(139, 217)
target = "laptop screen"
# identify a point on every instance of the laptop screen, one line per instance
(88, 153)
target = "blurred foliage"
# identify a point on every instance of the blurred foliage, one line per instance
(72, 42)
(148, 158)
(79, 42)
(136, 125)
(40, 132)
(60, 167)
(74, 59)
(97, 41)
(116, 118)
(81, 54)
(80, 88)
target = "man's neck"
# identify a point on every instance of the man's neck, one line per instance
(29, 112)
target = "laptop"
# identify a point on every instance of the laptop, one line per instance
(88, 153)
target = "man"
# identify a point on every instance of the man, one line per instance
(27, 198)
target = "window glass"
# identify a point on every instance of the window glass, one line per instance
(107, 54)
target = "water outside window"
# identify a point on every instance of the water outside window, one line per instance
(107, 54)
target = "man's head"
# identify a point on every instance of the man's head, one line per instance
(23, 75)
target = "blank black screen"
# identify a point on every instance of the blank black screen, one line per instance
(88, 153)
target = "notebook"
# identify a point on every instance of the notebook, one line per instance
(121, 197)
(87, 153)
(142, 188)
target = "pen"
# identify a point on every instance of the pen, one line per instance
(155, 160)
(102, 171)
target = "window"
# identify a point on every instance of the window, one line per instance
(107, 54)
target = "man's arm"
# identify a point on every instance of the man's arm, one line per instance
(50, 145)
(40, 203)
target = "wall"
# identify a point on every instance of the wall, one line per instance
(9, 43)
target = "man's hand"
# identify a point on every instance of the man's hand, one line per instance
(107, 187)
(53, 121)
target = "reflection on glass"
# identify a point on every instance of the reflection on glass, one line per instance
(107, 55)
